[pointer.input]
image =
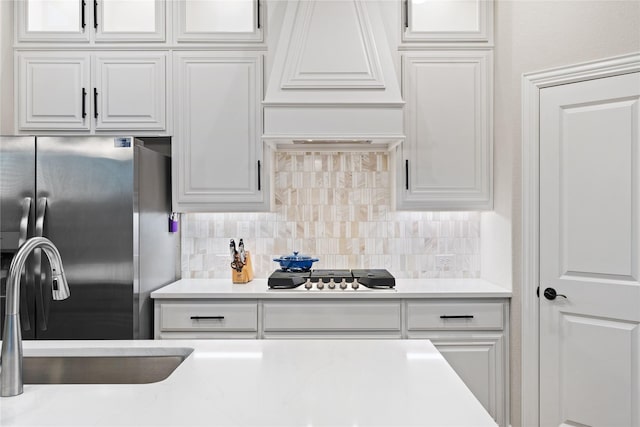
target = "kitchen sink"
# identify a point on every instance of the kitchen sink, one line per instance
(102, 365)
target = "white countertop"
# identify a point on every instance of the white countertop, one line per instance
(263, 383)
(405, 288)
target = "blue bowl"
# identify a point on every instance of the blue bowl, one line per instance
(295, 262)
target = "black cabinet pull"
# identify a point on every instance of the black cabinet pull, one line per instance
(95, 13)
(406, 174)
(95, 103)
(406, 13)
(207, 317)
(465, 316)
(84, 23)
(258, 13)
(259, 174)
(84, 103)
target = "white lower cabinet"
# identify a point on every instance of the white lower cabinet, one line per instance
(332, 319)
(205, 319)
(472, 334)
(91, 92)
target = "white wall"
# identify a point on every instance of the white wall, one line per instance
(531, 36)
(6, 67)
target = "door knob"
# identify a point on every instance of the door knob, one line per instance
(551, 294)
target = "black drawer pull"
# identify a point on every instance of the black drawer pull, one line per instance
(207, 317)
(466, 316)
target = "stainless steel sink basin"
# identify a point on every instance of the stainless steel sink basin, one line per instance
(102, 366)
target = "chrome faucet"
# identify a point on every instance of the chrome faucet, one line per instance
(11, 357)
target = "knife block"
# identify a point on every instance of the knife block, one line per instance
(246, 274)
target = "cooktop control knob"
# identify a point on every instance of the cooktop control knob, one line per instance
(320, 285)
(355, 285)
(332, 285)
(343, 285)
(308, 285)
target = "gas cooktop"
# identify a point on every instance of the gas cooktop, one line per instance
(332, 279)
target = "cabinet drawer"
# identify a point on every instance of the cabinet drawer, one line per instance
(228, 316)
(332, 316)
(430, 315)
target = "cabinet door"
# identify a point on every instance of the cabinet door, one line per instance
(130, 91)
(130, 20)
(446, 160)
(52, 20)
(53, 91)
(479, 361)
(218, 20)
(447, 20)
(217, 154)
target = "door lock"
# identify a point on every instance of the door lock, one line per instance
(551, 294)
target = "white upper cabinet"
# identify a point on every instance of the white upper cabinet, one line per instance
(217, 153)
(129, 20)
(52, 20)
(129, 90)
(82, 91)
(448, 20)
(218, 20)
(90, 20)
(53, 91)
(446, 160)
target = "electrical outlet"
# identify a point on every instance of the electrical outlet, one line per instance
(445, 261)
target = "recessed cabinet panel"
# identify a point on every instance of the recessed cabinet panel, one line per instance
(47, 20)
(130, 20)
(218, 153)
(131, 90)
(53, 92)
(446, 160)
(448, 20)
(218, 20)
(477, 360)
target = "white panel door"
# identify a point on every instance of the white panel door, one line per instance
(53, 91)
(447, 156)
(589, 237)
(218, 151)
(130, 91)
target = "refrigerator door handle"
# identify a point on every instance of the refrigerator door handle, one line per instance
(38, 273)
(24, 221)
(22, 237)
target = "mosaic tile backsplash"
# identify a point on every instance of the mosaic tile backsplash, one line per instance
(336, 207)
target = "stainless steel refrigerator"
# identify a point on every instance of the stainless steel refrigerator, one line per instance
(105, 203)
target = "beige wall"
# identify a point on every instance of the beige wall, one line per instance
(532, 36)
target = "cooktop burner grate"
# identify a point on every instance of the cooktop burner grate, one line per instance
(332, 279)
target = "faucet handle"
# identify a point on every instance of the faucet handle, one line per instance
(59, 286)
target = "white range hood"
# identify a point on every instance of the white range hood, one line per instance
(331, 76)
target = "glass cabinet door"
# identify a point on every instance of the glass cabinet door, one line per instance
(219, 20)
(448, 20)
(46, 20)
(130, 20)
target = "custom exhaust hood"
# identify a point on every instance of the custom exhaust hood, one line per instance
(331, 78)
